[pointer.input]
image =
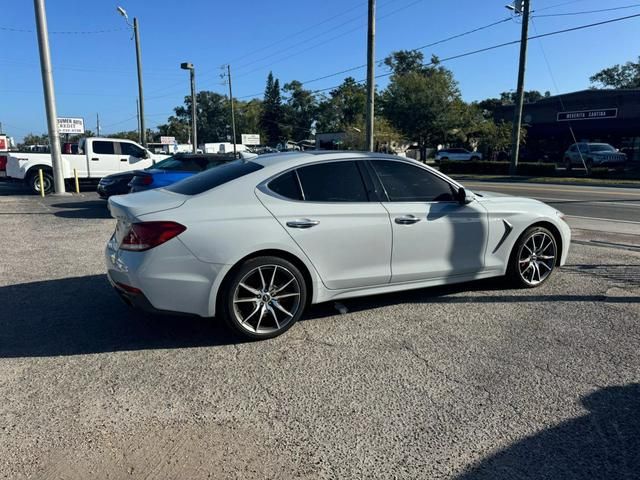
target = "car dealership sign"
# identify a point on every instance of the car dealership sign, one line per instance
(250, 139)
(70, 125)
(588, 115)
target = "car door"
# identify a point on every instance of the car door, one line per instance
(328, 211)
(132, 157)
(104, 158)
(434, 236)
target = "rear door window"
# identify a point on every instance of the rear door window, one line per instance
(332, 182)
(214, 177)
(286, 185)
(103, 147)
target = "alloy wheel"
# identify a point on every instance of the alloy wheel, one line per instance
(266, 299)
(537, 258)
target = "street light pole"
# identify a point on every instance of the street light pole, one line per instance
(136, 34)
(49, 96)
(194, 106)
(371, 40)
(517, 121)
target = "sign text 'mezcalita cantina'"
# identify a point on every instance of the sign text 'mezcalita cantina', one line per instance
(588, 115)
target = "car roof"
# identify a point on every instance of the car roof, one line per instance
(286, 159)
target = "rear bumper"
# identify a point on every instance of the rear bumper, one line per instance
(170, 279)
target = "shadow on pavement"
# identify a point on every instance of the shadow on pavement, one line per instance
(82, 315)
(603, 444)
(82, 209)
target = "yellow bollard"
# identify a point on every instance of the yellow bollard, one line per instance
(75, 174)
(41, 183)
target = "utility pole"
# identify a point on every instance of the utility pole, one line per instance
(233, 116)
(517, 121)
(194, 106)
(49, 95)
(98, 124)
(371, 39)
(138, 121)
(136, 32)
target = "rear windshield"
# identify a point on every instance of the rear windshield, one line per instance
(214, 177)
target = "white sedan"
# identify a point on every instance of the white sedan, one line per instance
(256, 241)
(457, 154)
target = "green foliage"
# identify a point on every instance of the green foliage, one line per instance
(619, 76)
(497, 168)
(299, 111)
(129, 135)
(423, 102)
(33, 139)
(272, 119)
(344, 108)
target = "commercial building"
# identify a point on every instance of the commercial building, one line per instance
(554, 123)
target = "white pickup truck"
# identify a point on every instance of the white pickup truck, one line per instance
(96, 158)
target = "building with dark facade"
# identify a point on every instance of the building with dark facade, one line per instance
(554, 123)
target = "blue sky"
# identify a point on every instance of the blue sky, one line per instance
(95, 72)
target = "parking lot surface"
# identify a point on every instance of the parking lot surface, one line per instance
(476, 381)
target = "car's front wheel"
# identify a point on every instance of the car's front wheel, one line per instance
(264, 297)
(533, 258)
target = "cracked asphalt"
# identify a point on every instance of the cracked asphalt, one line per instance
(476, 381)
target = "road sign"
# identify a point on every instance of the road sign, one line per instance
(250, 139)
(70, 125)
(588, 115)
(167, 140)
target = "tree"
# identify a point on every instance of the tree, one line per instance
(248, 115)
(509, 98)
(129, 135)
(388, 139)
(300, 110)
(423, 102)
(272, 119)
(33, 139)
(344, 108)
(619, 76)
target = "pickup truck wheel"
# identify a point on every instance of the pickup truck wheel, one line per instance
(47, 180)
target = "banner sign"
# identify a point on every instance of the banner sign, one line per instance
(167, 140)
(250, 139)
(70, 125)
(588, 115)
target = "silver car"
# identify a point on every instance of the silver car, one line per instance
(457, 154)
(256, 241)
(594, 155)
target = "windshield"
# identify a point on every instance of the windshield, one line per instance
(601, 147)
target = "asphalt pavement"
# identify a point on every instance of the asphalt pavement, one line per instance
(475, 381)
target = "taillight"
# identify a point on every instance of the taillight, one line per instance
(3, 162)
(147, 180)
(146, 235)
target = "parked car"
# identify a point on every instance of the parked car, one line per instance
(96, 158)
(594, 155)
(457, 154)
(172, 169)
(256, 241)
(115, 184)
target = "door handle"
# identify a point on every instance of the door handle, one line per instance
(95, 159)
(303, 223)
(123, 159)
(407, 220)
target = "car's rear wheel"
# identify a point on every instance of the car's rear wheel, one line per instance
(533, 258)
(264, 297)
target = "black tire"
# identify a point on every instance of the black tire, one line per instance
(567, 164)
(232, 307)
(514, 273)
(34, 181)
(475, 159)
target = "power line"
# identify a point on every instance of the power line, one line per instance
(587, 11)
(90, 32)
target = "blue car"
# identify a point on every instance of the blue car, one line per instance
(174, 168)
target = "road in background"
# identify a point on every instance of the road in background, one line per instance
(607, 215)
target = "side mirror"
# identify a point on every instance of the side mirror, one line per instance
(146, 154)
(462, 197)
